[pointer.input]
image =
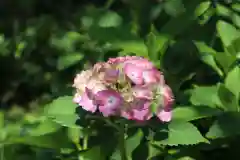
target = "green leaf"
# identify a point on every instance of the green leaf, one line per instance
(227, 32)
(229, 13)
(45, 127)
(228, 99)
(68, 60)
(225, 60)
(136, 46)
(236, 7)
(208, 55)
(2, 120)
(209, 60)
(204, 48)
(21, 46)
(131, 143)
(62, 111)
(225, 126)
(207, 96)
(153, 151)
(55, 141)
(156, 45)
(189, 113)
(110, 19)
(171, 5)
(186, 19)
(3, 133)
(202, 8)
(232, 81)
(92, 154)
(67, 42)
(182, 133)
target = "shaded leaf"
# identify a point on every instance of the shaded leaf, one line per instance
(93, 153)
(228, 99)
(154, 151)
(131, 143)
(171, 5)
(226, 125)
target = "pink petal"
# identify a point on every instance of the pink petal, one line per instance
(165, 116)
(152, 76)
(165, 113)
(77, 98)
(109, 102)
(133, 73)
(87, 103)
(141, 63)
(140, 111)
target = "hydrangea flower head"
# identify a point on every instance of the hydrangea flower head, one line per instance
(126, 87)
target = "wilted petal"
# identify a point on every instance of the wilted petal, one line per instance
(95, 85)
(133, 73)
(109, 102)
(111, 75)
(142, 91)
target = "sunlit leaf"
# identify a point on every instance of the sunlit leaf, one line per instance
(188, 113)
(225, 60)
(227, 32)
(182, 133)
(68, 60)
(207, 96)
(209, 59)
(55, 141)
(62, 111)
(232, 81)
(110, 19)
(135, 47)
(45, 127)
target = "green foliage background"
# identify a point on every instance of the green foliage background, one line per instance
(44, 43)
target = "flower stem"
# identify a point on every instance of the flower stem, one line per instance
(122, 142)
(85, 142)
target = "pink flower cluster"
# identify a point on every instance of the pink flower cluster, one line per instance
(126, 87)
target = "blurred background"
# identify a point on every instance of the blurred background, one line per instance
(44, 43)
